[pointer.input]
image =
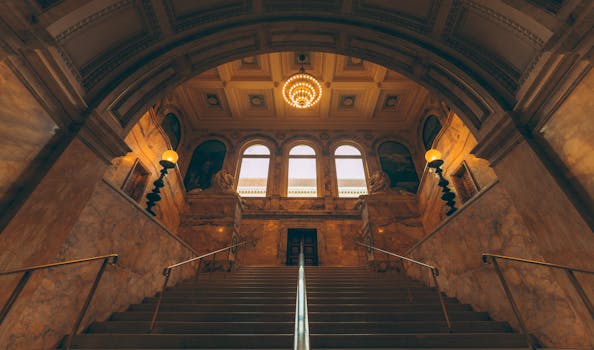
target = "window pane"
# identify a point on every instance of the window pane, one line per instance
(302, 150)
(351, 177)
(257, 150)
(253, 177)
(347, 150)
(302, 178)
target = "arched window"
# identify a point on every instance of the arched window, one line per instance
(302, 172)
(172, 128)
(397, 162)
(431, 128)
(350, 173)
(207, 160)
(253, 173)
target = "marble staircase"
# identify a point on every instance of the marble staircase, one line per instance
(254, 308)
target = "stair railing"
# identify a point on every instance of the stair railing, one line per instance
(168, 269)
(301, 341)
(568, 270)
(434, 273)
(27, 271)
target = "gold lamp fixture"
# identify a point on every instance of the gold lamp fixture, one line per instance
(435, 161)
(302, 90)
(168, 160)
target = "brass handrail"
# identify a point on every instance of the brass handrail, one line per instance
(434, 273)
(301, 338)
(167, 273)
(107, 259)
(568, 270)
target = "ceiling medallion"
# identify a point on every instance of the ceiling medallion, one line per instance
(302, 90)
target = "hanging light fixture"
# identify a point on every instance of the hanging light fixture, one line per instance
(302, 90)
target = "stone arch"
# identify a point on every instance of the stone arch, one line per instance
(474, 93)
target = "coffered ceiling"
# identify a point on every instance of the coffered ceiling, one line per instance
(247, 93)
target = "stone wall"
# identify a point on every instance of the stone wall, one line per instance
(29, 140)
(491, 223)
(455, 142)
(336, 240)
(109, 223)
(148, 142)
(569, 133)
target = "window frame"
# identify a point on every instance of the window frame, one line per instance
(363, 163)
(270, 158)
(287, 157)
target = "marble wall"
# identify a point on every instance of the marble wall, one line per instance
(109, 223)
(148, 142)
(569, 133)
(25, 130)
(455, 142)
(336, 240)
(491, 223)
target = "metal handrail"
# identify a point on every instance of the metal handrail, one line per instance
(107, 259)
(301, 340)
(434, 273)
(167, 273)
(568, 270)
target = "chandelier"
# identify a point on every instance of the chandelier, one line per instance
(302, 90)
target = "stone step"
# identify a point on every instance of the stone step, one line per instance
(363, 316)
(267, 341)
(402, 299)
(291, 307)
(167, 327)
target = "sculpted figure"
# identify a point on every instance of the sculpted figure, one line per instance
(379, 182)
(223, 182)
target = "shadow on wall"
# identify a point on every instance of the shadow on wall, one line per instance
(397, 162)
(207, 160)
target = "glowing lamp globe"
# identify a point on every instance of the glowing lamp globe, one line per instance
(432, 155)
(169, 158)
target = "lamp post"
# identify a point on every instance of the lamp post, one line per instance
(434, 161)
(168, 160)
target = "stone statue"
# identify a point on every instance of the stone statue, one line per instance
(379, 182)
(223, 182)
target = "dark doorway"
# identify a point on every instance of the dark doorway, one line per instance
(309, 237)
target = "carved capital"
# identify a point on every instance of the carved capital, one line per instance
(102, 139)
(497, 138)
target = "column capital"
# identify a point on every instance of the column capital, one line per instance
(100, 137)
(498, 136)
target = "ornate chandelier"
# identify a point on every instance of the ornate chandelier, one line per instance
(302, 90)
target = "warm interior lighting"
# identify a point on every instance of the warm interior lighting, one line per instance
(380, 230)
(220, 230)
(170, 156)
(432, 155)
(302, 90)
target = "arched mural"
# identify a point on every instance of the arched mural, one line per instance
(431, 128)
(397, 162)
(172, 128)
(207, 159)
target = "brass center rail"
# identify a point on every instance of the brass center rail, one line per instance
(301, 340)
(168, 269)
(27, 271)
(434, 273)
(568, 270)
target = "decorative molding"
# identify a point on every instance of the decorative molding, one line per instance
(102, 139)
(422, 25)
(510, 76)
(499, 140)
(97, 68)
(220, 11)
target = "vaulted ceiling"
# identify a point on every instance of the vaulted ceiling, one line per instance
(247, 93)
